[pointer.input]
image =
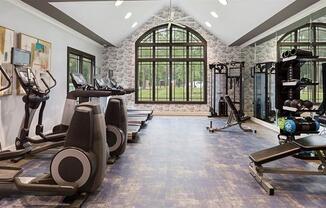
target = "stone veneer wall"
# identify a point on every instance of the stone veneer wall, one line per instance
(121, 60)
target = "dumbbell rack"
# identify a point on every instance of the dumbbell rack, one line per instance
(288, 87)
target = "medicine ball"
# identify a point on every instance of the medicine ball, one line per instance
(281, 123)
(290, 126)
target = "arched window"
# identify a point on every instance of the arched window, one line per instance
(311, 37)
(171, 66)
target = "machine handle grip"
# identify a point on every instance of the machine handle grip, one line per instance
(47, 91)
(53, 79)
(6, 77)
(46, 84)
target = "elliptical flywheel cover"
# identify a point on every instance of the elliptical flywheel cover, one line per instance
(71, 167)
(114, 143)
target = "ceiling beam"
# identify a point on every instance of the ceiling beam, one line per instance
(48, 9)
(90, 0)
(279, 17)
(311, 17)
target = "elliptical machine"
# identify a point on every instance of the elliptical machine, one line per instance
(115, 116)
(76, 170)
(33, 98)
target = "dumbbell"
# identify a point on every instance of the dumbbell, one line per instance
(287, 103)
(300, 52)
(296, 103)
(308, 104)
(294, 126)
(305, 80)
(286, 54)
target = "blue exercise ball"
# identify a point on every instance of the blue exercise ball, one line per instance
(290, 126)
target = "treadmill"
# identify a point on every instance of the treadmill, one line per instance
(107, 83)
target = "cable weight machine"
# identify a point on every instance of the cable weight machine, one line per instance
(226, 79)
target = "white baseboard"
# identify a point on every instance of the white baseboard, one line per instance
(178, 113)
(265, 124)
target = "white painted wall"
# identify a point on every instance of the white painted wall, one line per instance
(23, 18)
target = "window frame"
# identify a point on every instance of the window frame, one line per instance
(312, 42)
(81, 55)
(170, 44)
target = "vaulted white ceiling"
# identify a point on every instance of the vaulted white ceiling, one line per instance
(235, 19)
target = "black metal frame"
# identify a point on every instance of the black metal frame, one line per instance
(82, 55)
(240, 67)
(225, 69)
(313, 44)
(154, 60)
(216, 70)
(265, 68)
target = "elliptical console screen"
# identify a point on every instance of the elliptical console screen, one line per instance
(20, 57)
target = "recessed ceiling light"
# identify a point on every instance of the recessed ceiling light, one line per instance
(118, 2)
(134, 25)
(223, 2)
(208, 24)
(128, 15)
(214, 14)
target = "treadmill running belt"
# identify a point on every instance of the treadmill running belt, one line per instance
(132, 132)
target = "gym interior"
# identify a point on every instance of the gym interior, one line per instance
(162, 103)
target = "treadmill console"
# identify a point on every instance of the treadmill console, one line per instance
(78, 80)
(100, 83)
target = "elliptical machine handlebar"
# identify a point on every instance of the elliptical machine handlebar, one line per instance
(47, 91)
(28, 81)
(6, 77)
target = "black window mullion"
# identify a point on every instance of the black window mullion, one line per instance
(154, 69)
(170, 64)
(314, 47)
(187, 70)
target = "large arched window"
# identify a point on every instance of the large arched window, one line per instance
(311, 37)
(171, 66)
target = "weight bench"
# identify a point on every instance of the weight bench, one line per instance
(233, 115)
(310, 143)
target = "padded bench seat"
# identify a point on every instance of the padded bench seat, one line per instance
(313, 142)
(274, 153)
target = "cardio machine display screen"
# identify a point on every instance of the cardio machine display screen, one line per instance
(20, 57)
